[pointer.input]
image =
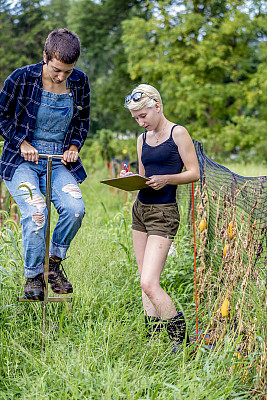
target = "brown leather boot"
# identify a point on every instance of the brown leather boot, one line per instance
(34, 288)
(58, 278)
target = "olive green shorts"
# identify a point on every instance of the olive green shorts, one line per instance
(156, 219)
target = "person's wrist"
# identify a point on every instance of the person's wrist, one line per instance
(167, 180)
(24, 142)
(74, 148)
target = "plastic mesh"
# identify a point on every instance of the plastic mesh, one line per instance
(231, 240)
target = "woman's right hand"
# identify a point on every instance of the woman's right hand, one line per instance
(29, 152)
(123, 173)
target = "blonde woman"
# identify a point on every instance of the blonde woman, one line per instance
(163, 150)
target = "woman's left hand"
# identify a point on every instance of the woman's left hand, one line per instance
(157, 181)
(70, 155)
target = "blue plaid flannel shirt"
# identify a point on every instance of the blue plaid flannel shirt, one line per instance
(19, 102)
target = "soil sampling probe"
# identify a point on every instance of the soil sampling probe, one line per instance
(47, 299)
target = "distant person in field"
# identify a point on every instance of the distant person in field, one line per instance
(163, 150)
(44, 108)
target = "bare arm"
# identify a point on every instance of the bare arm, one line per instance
(139, 153)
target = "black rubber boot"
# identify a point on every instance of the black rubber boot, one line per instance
(153, 326)
(176, 328)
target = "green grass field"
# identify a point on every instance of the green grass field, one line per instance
(98, 349)
(248, 170)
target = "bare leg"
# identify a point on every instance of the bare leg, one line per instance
(154, 260)
(151, 253)
(139, 243)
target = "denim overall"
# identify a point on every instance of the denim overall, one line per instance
(53, 118)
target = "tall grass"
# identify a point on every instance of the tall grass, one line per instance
(98, 349)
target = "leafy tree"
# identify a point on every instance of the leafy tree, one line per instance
(56, 13)
(98, 25)
(31, 29)
(105, 137)
(206, 58)
(24, 28)
(8, 40)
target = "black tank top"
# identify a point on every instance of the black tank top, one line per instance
(163, 159)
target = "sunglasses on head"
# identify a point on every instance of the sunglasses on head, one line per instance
(136, 97)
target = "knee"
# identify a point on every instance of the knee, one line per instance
(34, 211)
(75, 213)
(73, 205)
(148, 286)
(33, 221)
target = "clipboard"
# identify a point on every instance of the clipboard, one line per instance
(128, 183)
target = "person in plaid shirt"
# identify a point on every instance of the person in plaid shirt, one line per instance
(44, 108)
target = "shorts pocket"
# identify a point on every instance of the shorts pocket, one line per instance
(171, 215)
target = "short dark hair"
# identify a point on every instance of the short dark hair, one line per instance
(63, 45)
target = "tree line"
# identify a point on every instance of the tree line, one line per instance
(207, 58)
